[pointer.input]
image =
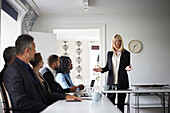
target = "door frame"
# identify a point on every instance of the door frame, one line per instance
(102, 37)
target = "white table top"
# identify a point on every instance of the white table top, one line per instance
(139, 91)
(150, 85)
(85, 106)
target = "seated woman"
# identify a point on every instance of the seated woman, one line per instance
(63, 77)
(37, 64)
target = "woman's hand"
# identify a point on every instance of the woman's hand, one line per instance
(98, 69)
(128, 68)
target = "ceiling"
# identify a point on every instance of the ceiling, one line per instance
(99, 7)
(104, 7)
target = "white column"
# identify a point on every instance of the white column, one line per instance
(1, 111)
(0, 27)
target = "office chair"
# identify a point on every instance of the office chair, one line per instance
(6, 102)
(1, 102)
(1, 105)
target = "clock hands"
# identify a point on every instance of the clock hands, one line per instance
(134, 46)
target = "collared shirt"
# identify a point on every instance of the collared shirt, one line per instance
(61, 79)
(115, 63)
(51, 70)
(27, 66)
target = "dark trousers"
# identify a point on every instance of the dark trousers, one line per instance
(121, 100)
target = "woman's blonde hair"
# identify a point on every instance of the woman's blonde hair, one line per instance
(117, 36)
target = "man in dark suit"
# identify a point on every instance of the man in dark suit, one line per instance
(49, 73)
(9, 55)
(25, 90)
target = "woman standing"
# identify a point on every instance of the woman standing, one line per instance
(118, 63)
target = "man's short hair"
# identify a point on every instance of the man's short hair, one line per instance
(24, 41)
(8, 53)
(52, 59)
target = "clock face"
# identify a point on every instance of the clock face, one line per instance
(135, 46)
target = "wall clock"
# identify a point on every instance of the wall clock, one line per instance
(135, 46)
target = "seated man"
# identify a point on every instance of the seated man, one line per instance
(9, 56)
(25, 90)
(49, 73)
(63, 76)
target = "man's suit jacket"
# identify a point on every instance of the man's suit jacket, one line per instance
(2, 73)
(123, 82)
(24, 93)
(54, 86)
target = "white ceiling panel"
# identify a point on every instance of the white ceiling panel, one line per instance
(103, 7)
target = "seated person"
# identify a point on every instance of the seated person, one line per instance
(26, 93)
(37, 64)
(9, 56)
(49, 73)
(63, 77)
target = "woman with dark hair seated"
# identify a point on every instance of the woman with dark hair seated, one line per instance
(63, 76)
(37, 64)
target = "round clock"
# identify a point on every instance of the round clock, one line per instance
(135, 46)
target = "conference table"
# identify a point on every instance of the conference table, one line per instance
(140, 91)
(85, 106)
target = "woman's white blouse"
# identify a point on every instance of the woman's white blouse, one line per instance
(115, 63)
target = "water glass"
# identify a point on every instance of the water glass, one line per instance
(95, 96)
(106, 87)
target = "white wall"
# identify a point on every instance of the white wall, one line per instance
(10, 30)
(1, 111)
(152, 64)
(40, 40)
(0, 28)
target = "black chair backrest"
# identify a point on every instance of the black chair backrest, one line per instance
(2, 103)
(5, 100)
